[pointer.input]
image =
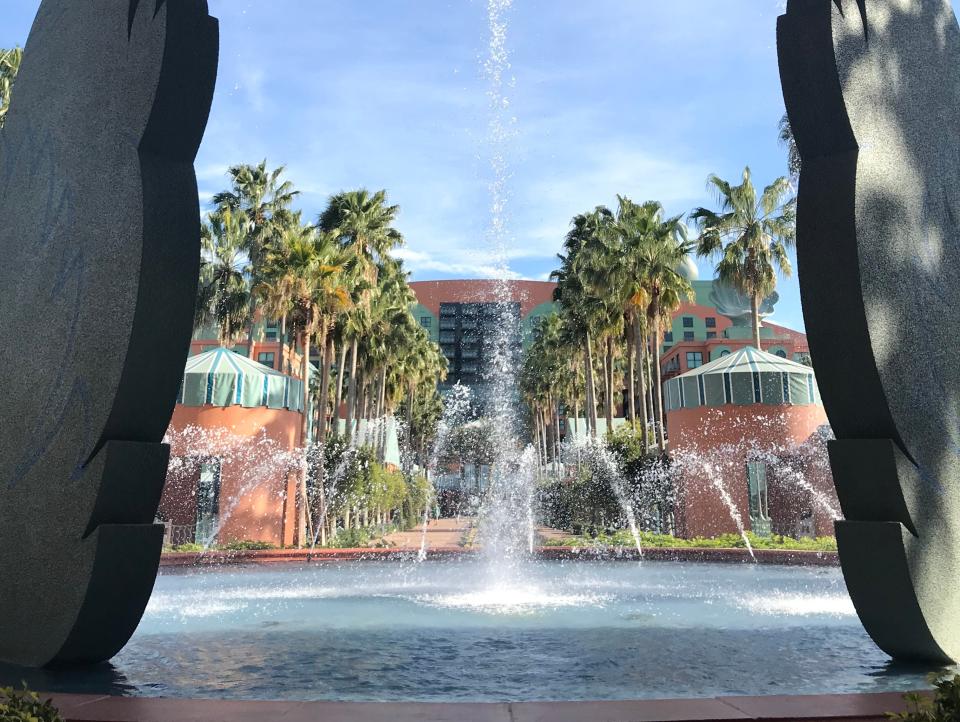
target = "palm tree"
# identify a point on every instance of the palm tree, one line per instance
(262, 199)
(223, 295)
(787, 139)
(9, 67)
(317, 262)
(363, 222)
(635, 228)
(583, 302)
(661, 251)
(750, 236)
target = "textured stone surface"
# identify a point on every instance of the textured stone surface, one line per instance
(99, 246)
(872, 89)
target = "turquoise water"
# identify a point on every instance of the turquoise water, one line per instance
(458, 631)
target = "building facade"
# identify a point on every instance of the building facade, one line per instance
(717, 323)
(476, 321)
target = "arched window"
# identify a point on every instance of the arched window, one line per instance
(724, 353)
(781, 353)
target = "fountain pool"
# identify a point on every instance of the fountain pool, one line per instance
(466, 631)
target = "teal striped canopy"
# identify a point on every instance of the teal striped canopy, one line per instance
(745, 377)
(223, 378)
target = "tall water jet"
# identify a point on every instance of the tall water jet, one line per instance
(507, 524)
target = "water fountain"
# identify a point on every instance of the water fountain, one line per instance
(502, 626)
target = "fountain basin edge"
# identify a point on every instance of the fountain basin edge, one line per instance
(80, 708)
(782, 557)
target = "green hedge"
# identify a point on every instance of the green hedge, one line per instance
(724, 541)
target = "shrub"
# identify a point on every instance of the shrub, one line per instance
(26, 706)
(189, 547)
(623, 538)
(248, 545)
(943, 707)
(351, 539)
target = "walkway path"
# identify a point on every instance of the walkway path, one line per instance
(440, 533)
(452, 533)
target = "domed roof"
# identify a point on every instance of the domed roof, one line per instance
(688, 269)
(221, 377)
(745, 377)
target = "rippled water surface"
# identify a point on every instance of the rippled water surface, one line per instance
(454, 631)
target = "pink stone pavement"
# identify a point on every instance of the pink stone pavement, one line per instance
(849, 708)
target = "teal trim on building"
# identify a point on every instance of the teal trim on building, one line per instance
(427, 320)
(532, 320)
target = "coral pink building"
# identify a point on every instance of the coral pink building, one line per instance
(233, 468)
(747, 434)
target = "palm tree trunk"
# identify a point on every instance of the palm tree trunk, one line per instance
(632, 384)
(576, 414)
(306, 523)
(325, 362)
(591, 389)
(555, 416)
(651, 413)
(382, 440)
(658, 391)
(338, 398)
(324, 385)
(283, 344)
(548, 432)
(608, 363)
(641, 355)
(352, 393)
(755, 316)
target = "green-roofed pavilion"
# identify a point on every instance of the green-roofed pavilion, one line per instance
(745, 377)
(221, 377)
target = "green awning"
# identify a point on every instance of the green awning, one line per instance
(743, 378)
(223, 378)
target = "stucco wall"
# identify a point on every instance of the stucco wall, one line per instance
(713, 446)
(256, 489)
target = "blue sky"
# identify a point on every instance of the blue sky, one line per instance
(638, 97)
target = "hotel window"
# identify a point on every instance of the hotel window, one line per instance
(267, 359)
(711, 335)
(668, 337)
(711, 322)
(689, 336)
(426, 321)
(271, 332)
(757, 487)
(694, 359)
(688, 321)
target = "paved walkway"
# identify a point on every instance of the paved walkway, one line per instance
(440, 533)
(446, 533)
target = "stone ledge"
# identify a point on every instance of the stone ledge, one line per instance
(80, 708)
(308, 556)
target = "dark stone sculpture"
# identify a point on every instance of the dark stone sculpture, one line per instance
(873, 90)
(99, 248)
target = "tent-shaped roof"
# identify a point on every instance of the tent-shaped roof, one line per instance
(745, 377)
(223, 378)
